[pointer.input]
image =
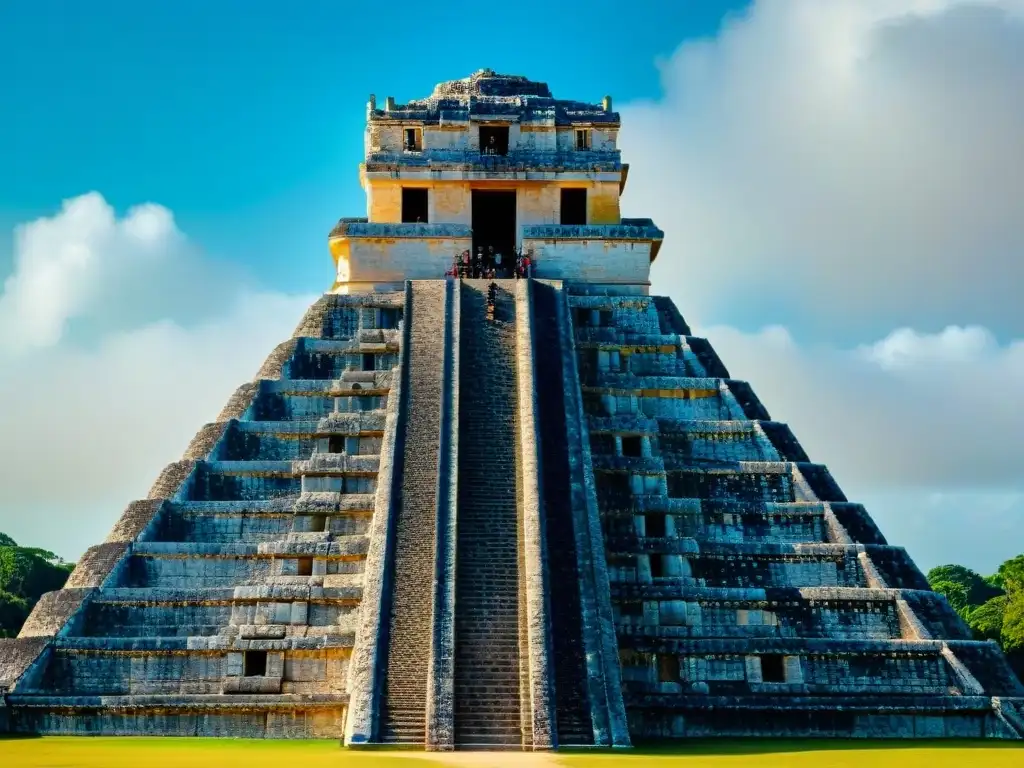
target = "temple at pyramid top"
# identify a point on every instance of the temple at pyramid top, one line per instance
(493, 163)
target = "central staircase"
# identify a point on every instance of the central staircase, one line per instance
(486, 634)
(487, 643)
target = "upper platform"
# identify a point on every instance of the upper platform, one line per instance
(492, 123)
(486, 95)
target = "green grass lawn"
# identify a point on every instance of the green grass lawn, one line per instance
(763, 753)
(137, 752)
(86, 752)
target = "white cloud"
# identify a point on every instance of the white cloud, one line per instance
(842, 167)
(924, 429)
(86, 266)
(938, 412)
(87, 427)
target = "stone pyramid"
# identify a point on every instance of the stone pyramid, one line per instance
(519, 513)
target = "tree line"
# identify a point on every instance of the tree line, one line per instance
(992, 606)
(26, 573)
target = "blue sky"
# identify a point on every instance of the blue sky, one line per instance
(841, 184)
(246, 119)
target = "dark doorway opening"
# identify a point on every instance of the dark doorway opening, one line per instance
(493, 139)
(773, 669)
(574, 207)
(336, 444)
(654, 526)
(304, 566)
(412, 140)
(657, 566)
(494, 222)
(414, 205)
(255, 663)
(632, 446)
(668, 668)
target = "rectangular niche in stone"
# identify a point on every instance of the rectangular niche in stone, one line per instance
(254, 664)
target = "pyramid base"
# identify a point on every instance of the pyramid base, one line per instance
(204, 716)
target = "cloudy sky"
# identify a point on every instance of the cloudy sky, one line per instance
(841, 183)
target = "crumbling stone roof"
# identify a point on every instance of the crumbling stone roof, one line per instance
(486, 93)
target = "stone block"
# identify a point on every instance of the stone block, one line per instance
(171, 480)
(234, 664)
(252, 685)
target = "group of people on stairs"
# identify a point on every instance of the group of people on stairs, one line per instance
(491, 264)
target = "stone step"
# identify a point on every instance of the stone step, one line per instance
(483, 732)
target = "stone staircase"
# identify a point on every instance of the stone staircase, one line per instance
(410, 618)
(487, 642)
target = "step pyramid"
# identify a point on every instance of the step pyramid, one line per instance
(498, 513)
(700, 576)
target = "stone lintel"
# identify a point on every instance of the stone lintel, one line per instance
(349, 228)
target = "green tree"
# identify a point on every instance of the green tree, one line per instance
(977, 590)
(955, 593)
(1011, 574)
(13, 612)
(986, 621)
(26, 573)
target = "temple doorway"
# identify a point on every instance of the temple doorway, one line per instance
(494, 221)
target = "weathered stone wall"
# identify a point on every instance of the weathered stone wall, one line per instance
(388, 258)
(561, 254)
(226, 603)
(750, 597)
